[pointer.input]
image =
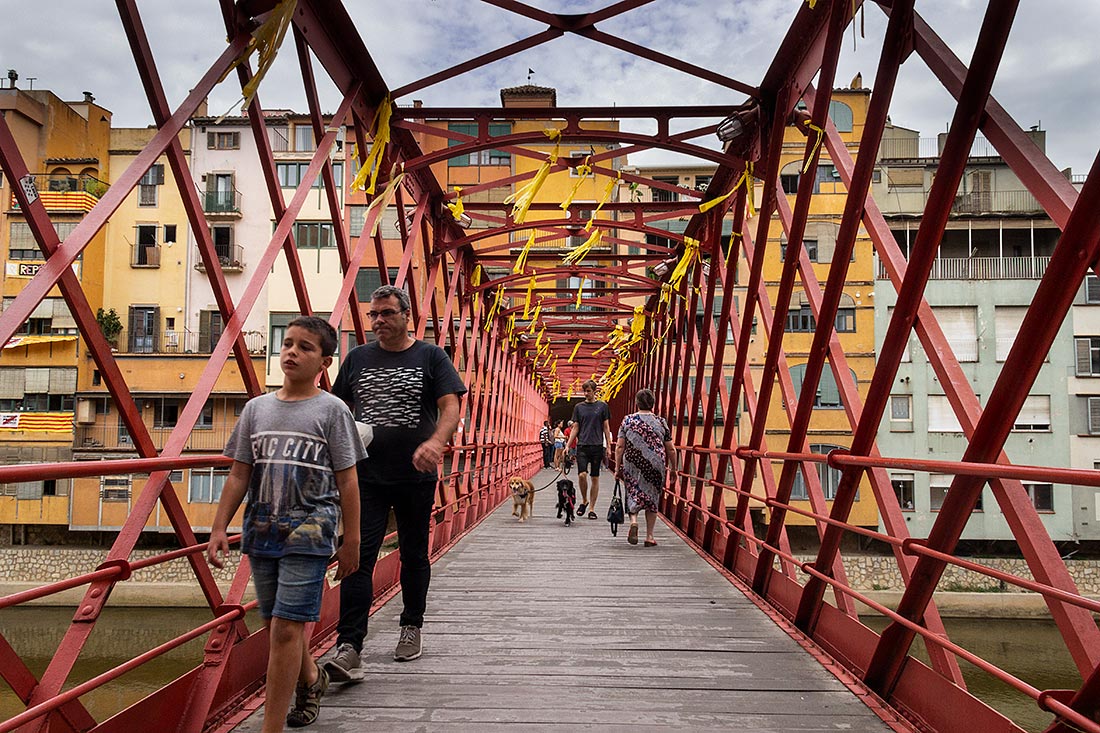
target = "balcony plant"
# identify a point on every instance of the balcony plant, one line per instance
(110, 324)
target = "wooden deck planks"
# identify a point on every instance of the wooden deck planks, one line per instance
(538, 626)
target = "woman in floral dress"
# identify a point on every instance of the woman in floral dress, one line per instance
(643, 455)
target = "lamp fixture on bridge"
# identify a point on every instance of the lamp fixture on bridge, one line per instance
(662, 268)
(739, 123)
(465, 221)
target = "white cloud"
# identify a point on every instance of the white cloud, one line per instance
(1048, 73)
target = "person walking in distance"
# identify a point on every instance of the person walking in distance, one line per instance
(590, 434)
(404, 394)
(546, 440)
(644, 459)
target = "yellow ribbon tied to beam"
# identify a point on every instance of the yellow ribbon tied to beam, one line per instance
(495, 307)
(457, 208)
(522, 199)
(267, 39)
(387, 196)
(578, 253)
(575, 350)
(813, 150)
(535, 315)
(521, 260)
(691, 253)
(580, 292)
(584, 170)
(527, 300)
(380, 137)
(603, 200)
(637, 324)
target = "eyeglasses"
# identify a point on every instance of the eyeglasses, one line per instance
(387, 313)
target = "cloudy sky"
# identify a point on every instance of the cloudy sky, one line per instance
(1050, 75)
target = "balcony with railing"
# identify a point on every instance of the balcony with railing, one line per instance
(983, 268)
(145, 256)
(222, 204)
(111, 434)
(231, 257)
(174, 342)
(62, 192)
(913, 148)
(899, 200)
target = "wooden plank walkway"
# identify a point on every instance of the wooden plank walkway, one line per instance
(538, 626)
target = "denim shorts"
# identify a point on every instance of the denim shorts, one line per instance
(589, 458)
(290, 586)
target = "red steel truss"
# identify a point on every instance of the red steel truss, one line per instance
(512, 385)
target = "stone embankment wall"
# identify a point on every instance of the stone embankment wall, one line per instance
(172, 583)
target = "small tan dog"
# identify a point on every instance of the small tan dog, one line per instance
(523, 497)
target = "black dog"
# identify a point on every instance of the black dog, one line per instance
(567, 499)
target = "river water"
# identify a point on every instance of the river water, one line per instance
(1031, 650)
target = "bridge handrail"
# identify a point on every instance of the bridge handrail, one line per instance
(1046, 699)
(83, 688)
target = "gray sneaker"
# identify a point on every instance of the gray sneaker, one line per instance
(408, 646)
(342, 663)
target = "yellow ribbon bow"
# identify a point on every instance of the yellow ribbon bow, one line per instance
(578, 253)
(691, 253)
(457, 208)
(522, 199)
(521, 260)
(380, 136)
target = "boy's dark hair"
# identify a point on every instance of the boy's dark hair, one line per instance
(321, 328)
(589, 383)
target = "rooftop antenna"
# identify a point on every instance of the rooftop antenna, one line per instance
(30, 80)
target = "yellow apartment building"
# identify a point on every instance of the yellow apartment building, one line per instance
(829, 427)
(65, 148)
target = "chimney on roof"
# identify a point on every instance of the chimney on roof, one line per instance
(13, 76)
(88, 98)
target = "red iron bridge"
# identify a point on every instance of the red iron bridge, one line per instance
(715, 295)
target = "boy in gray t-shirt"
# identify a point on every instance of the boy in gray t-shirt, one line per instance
(294, 454)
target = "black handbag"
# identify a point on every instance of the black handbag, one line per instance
(615, 513)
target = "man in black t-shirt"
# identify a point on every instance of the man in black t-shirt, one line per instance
(591, 434)
(404, 396)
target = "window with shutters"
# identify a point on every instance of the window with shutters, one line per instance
(143, 325)
(314, 234)
(1088, 356)
(660, 194)
(166, 411)
(479, 157)
(1007, 320)
(210, 330)
(1092, 288)
(828, 394)
(146, 252)
(292, 174)
(279, 323)
(115, 488)
(222, 237)
(23, 246)
(280, 138)
(206, 485)
(828, 476)
(1034, 415)
(1093, 415)
(1041, 495)
(941, 418)
(223, 141)
(303, 138)
(149, 185)
(960, 327)
(368, 279)
(938, 484)
(810, 245)
(903, 489)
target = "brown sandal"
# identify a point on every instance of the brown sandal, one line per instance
(632, 535)
(651, 543)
